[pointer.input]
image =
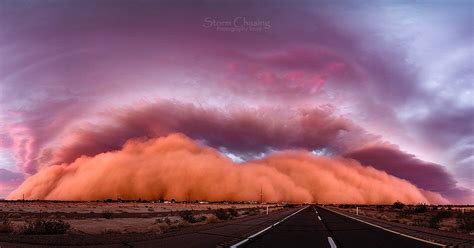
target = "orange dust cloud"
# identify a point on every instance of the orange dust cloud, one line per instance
(175, 167)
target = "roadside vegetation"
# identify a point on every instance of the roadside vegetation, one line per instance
(45, 226)
(441, 217)
(31, 219)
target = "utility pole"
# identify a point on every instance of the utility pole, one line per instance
(261, 194)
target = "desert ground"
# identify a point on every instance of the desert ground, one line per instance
(27, 220)
(444, 217)
(122, 217)
(111, 222)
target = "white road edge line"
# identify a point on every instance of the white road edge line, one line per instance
(388, 230)
(319, 218)
(331, 243)
(265, 229)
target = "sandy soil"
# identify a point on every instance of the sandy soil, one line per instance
(445, 218)
(122, 217)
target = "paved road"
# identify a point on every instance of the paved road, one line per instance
(317, 227)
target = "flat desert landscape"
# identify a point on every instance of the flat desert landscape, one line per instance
(30, 221)
(123, 217)
(118, 222)
(445, 218)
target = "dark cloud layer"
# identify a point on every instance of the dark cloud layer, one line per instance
(246, 132)
(250, 132)
(426, 175)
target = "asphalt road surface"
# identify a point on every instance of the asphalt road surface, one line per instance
(318, 227)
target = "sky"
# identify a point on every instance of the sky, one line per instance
(335, 90)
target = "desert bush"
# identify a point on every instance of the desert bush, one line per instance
(419, 222)
(404, 213)
(107, 214)
(45, 226)
(179, 223)
(222, 214)
(6, 225)
(233, 212)
(253, 211)
(188, 216)
(201, 218)
(398, 205)
(466, 221)
(163, 227)
(405, 221)
(384, 217)
(435, 219)
(165, 220)
(420, 208)
(211, 219)
(158, 228)
(14, 215)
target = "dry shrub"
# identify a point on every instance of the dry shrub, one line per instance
(222, 214)
(466, 221)
(398, 205)
(211, 219)
(420, 208)
(233, 212)
(406, 221)
(253, 211)
(6, 225)
(15, 215)
(384, 217)
(159, 227)
(188, 216)
(179, 223)
(438, 217)
(46, 226)
(107, 214)
(166, 220)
